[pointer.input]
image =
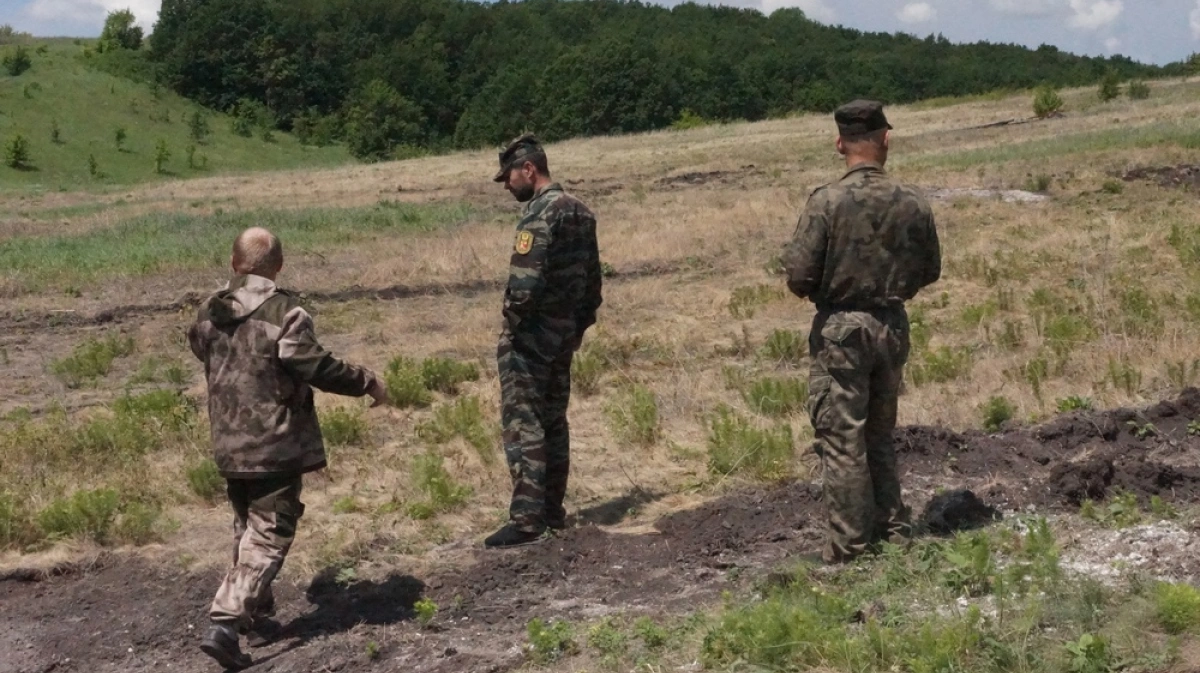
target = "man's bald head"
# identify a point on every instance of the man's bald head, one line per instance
(259, 252)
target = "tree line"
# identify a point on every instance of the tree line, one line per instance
(390, 77)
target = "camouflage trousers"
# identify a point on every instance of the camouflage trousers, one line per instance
(857, 367)
(534, 394)
(266, 512)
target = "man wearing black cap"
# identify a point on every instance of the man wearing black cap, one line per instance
(864, 245)
(552, 297)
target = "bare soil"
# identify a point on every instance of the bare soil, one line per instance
(1183, 176)
(132, 614)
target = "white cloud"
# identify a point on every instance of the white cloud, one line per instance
(1112, 44)
(817, 10)
(92, 11)
(1194, 20)
(1026, 7)
(917, 12)
(1095, 14)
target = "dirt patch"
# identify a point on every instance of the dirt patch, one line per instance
(952, 511)
(1183, 176)
(699, 178)
(1005, 195)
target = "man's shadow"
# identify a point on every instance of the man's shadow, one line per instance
(613, 512)
(340, 606)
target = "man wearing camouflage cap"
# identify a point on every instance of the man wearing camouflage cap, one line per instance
(552, 296)
(864, 245)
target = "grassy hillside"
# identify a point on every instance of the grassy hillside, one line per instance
(88, 106)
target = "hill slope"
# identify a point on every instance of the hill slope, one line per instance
(88, 106)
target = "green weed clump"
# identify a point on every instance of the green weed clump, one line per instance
(1075, 403)
(550, 641)
(1177, 607)
(344, 426)
(91, 359)
(785, 347)
(406, 384)
(426, 610)
(633, 415)
(940, 365)
(1047, 102)
(461, 418)
(445, 375)
(610, 641)
(1121, 511)
(1138, 90)
(996, 412)
(747, 299)
(736, 445)
(16, 526)
(431, 478)
(587, 368)
(99, 516)
(205, 481)
(776, 397)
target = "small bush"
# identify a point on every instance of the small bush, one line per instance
(634, 415)
(1075, 403)
(996, 412)
(462, 418)
(426, 610)
(1047, 102)
(610, 641)
(1112, 187)
(344, 426)
(688, 120)
(1038, 183)
(744, 302)
(1110, 87)
(16, 62)
(16, 528)
(16, 152)
(1138, 90)
(1065, 333)
(205, 481)
(198, 128)
(735, 445)
(431, 478)
(119, 136)
(549, 642)
(92, 359)
(55, 132)
(93, 166)
(445, 375)
(85, 514)
(1177, 607)
(587, 368)
(406, 384)
(1089, 654)
(939, 366)
(653, 636)
(776, 397)
(161, 155)
(785, 347)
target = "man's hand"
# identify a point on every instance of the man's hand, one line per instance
(378, 392)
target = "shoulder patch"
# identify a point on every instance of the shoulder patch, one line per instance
(524, 242)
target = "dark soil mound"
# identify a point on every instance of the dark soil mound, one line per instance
(1186, 176)
(951, 511)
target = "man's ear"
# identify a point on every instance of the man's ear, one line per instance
(887, 138)
(233, 263)
(841, 146)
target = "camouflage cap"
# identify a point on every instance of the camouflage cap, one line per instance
(861, 116)
(520, 149)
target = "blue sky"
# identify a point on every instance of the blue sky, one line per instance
(1156, 31)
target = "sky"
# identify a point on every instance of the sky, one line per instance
(1152, 31)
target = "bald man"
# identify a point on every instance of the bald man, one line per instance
(262, 361)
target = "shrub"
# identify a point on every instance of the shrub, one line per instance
(587, 367)
(198, 128)
(379, 119)
(1110, 86)
(17, 61)
(744, 301)
(431, 478)
(55, 132)
(86, 514)
(1038, 183)
(997, 411)
(1138, 90)
(1177, 607)
(1047, 102)
(119, 136)
(463, 418)
(120, 32)
(406, 384)
(549, 642)
(16, 528)
(344, 426)
(426, 610)
(205, 481)
(941, 365)
(161, 156)
(93, 166)
(1074, 403)
(16, 152)
(445, 375)
(785, 347)
(1112, 187)
(735, 445)
(688, 120)
(1089, 654)
(634, 415)
(776, 397)
(91, 359)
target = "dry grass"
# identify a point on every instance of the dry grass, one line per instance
(1103, 258)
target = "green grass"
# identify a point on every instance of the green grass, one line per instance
(776, 397)
(344, 426)
(461, 418)
(633, 415)
(443, 494)
(735, 445)
(1177, 607)
(204, 481)
(997, 411)
(88, 105)
(787, 347)
(92, 359)
(162, 243)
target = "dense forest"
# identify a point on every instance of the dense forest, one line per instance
(387, 76)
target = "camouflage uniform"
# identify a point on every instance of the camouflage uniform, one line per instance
(261, 361)
(864, 245)
(553, 294)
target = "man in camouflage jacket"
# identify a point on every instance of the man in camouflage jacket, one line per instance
(261, 362)
(552, 296)
(864, 245)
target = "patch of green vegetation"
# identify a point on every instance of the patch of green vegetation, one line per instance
(205, 481)
(1121, 511)
(746, 300)
(1075, 403)
(735, 445)
(785, 347)
(405, 384)
(92, 359)
(776, 397)
(431, 478)
(344, 426)
(610, 641)
(160, 243)
(1123, 375)
(1138, 90)
(346, 505)
(1177, 607)
(996, 412)
(551, 641)
(939, 365)
(444, 375)
(633, 415)
(461, 418)
(98, 515)
(425, 610)
(1139, 312)
(1046, 102)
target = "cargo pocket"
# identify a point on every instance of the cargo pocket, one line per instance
(840, 341)
(818, 400)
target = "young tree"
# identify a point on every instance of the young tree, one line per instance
(120, 32)
(161, 155)
(93, 166)
(1138, 90)
(198, 127)
(1110, 86)
(55, 132)
(119, 135)
(16, 152)
(1047, 102)
(17, 61)
(378, 119)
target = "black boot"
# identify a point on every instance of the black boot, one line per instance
(221, 644)
(511, 536)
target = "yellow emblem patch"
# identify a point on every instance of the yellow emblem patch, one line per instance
(524, 242)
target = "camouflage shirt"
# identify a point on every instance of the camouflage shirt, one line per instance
(261, 360)
(554, 278)
(863, 242)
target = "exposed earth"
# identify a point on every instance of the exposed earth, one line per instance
(128, 613)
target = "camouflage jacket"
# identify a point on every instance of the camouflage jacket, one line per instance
(261, 360)
(863, 242)
(554, 280)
